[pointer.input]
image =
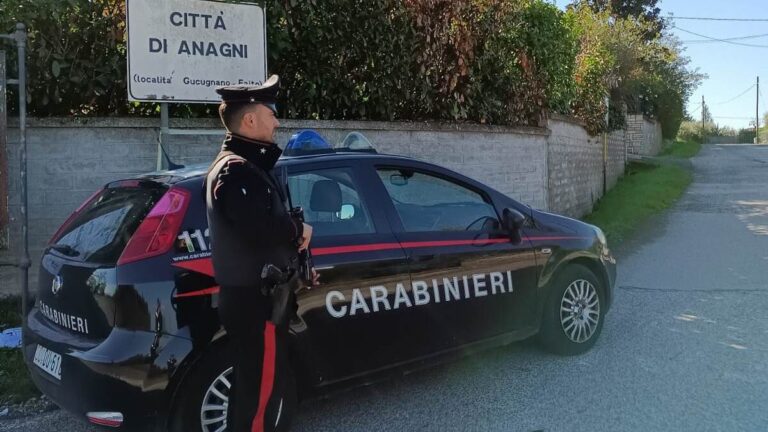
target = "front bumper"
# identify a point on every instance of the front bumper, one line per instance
(609, 263)
(122, 373)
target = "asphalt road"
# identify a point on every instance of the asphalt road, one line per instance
(685, 347)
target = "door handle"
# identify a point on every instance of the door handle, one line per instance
(423, 258)
(546, 251)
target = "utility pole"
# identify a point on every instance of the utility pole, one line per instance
(757, 113)
(703, 110)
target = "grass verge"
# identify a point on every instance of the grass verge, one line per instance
(682, 149)
(643, 191)
(15, 385)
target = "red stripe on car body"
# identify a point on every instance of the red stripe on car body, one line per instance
(202, 292)
(205, 265)
(421, 244)
(201, 265)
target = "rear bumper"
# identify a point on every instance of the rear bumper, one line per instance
(122, 373)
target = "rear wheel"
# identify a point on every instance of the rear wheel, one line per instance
(203, 399)
(573, 313)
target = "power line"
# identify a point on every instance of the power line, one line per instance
(726, 39)
(717, 19)
(736, 97)
(720, 40)
(695, 110)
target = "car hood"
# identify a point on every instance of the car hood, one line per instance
(561, 223)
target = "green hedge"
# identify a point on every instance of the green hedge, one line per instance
(493, 61)
(487, 61)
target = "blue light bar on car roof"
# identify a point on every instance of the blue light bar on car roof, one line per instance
(307, 142)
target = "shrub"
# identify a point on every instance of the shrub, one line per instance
(76, 55)
(524, 65)
(489, 61)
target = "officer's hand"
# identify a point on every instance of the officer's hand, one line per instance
(306, 237)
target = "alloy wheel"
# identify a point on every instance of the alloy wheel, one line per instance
(580, 311)
(213, 411)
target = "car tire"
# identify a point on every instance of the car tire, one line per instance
(214, 370)
(575, 301)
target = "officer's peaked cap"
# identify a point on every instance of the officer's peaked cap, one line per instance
(244, 94)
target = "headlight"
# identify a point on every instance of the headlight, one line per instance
(601, 238)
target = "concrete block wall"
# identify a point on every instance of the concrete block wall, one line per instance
(558, 169)
(617, 156)
(70, 159)
(575, 166)
(512, 160)
(643, 135)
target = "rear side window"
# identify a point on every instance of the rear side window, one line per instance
(331, 202)
(102, 228)
(428, 203)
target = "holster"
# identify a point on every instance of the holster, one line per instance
(284, 300)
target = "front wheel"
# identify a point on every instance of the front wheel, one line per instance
(573, 313)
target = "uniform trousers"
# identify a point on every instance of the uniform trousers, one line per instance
(258, 395)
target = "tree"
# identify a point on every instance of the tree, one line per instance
(645, 9)
(746, 135)
(648, 76)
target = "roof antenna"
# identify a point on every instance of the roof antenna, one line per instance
(171, 165)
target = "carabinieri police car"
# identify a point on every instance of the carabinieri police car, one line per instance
(417, 263)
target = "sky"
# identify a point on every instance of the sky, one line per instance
(731, 68)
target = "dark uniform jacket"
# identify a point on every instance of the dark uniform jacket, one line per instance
(249, 223)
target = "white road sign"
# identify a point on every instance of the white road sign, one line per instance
(181, 50)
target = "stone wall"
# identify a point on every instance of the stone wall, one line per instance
(575, 166)
(643, 135)
(69, 159)
(559, 168)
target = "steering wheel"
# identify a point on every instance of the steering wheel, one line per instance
(481, 218)
(436, 222)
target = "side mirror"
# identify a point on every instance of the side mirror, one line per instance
(512, 222)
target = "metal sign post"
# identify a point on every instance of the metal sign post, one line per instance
(20, 37)
(163, 161)
(4, 219)
(181, 50)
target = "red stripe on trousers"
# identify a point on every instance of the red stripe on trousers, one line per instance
(267, 376)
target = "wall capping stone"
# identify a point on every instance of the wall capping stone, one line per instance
(213, 123)
(567, 119)
(649, 119)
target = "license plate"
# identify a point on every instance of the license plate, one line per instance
(48, 361)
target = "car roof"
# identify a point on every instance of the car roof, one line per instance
(199, 170)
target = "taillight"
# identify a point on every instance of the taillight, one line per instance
(65, 225)
(157, 233)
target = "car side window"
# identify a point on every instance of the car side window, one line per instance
(331, 202)
(426, 202)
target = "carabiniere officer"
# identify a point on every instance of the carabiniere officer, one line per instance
(250, 228)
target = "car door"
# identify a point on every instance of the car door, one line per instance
(480, 283)
(350, 321)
